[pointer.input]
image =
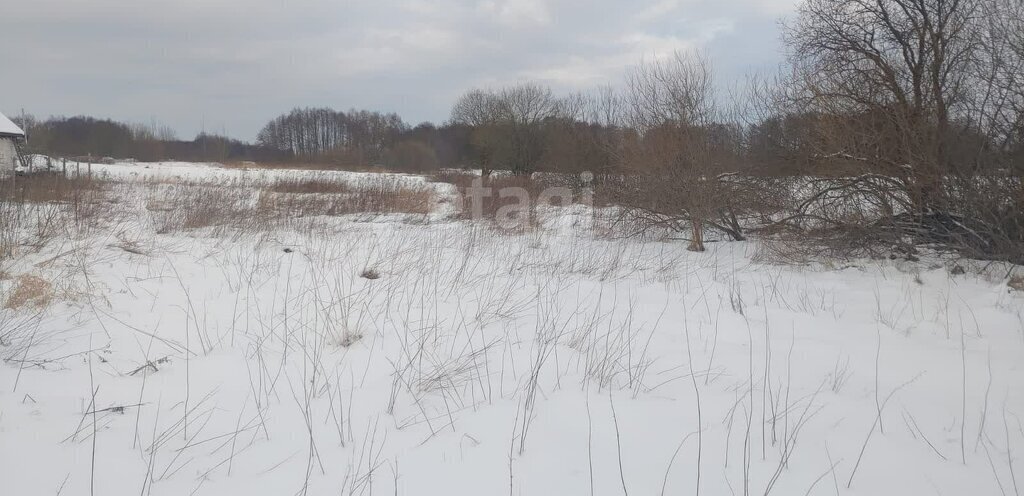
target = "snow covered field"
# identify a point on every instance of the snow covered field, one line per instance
(414, 354)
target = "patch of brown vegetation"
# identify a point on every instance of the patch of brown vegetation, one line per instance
(1016, 283)
(309, 186)
(52, 188)
(316, 166)
(376, 199)
(30, 290)
(262, 206)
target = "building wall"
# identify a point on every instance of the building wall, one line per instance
(8, 157)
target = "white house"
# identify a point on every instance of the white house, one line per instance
(10, 136)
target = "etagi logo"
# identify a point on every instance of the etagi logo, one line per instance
(515, 207)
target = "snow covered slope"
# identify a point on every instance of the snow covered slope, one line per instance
(445, 357)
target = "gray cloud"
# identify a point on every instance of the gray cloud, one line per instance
(230, 65)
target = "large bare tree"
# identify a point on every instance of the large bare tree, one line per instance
(676, 150)
(909, 99)
(895, 73)
(509, 124)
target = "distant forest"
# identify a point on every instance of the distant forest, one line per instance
(320, 136)
(83, 136)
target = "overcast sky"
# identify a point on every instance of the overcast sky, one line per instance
(232, 65)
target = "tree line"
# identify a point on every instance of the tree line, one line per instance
(323, 133)
(891, 123)
(84, 137)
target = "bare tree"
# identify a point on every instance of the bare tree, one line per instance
(509, 125)
(999, 103)
(903, 63)
(526, 110)
(481, 111)
(357, 136)
(672, 154)
(908, 100)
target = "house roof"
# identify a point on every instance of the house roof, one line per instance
(9, 129)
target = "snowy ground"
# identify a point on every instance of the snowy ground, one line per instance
(392, 355)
